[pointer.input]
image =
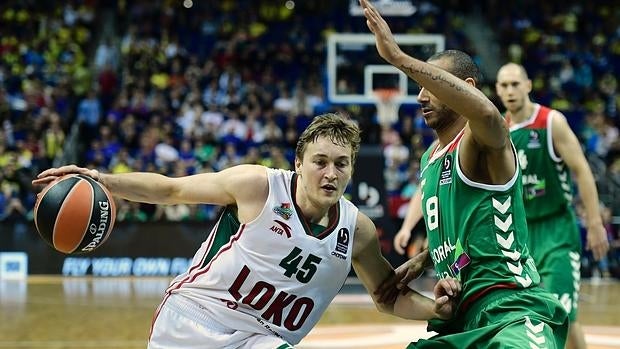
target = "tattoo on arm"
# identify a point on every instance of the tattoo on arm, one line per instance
(410, 69)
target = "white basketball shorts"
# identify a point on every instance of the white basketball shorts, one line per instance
(181, 325)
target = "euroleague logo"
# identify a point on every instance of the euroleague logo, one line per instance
(342, 244)
(97, 230)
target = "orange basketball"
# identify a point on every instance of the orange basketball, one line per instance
(74, 214)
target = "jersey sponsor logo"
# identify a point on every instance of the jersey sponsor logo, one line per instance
(530, 179)
(284, 210)
(533, 186)
(535, 191)
(534, 141)
(276, 307)
(281, 228)
(440, 253)
(446, 170)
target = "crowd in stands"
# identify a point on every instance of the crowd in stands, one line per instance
(174, 90)
(44, 69)
(182, 91)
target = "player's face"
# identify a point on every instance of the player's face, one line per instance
(513, 88)
(325, 171)
(436, 114)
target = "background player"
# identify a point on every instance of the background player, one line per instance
(412, 217)
(469, 180)
(548, 149)
(279, 253)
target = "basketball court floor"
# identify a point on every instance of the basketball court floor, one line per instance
(100, 313)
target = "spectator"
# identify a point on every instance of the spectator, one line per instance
(89, 115)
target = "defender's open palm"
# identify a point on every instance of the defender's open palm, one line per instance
(52, 174)
(386, 45)
(446, 293)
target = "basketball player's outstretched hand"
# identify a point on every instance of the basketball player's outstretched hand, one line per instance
(52, 174)
(401, 240)
(597, 241)
(446, 295)
(386, 45)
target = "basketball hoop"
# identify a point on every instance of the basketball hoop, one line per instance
(387, 102)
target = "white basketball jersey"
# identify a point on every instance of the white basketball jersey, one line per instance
(271, 275)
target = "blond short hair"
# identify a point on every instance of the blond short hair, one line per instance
(340, 129)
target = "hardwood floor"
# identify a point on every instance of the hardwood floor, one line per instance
(101, 313)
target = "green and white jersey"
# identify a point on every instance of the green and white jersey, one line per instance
(547, 187)
(477, 232)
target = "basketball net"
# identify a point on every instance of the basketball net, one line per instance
(387, 106)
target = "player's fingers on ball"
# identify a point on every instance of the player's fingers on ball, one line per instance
(44, 181)
(46, 173)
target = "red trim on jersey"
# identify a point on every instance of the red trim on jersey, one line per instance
(456, 141)
(333, 215)
(469, 301)
(191, 278)
(434, 151)
(202, 259)
(223, 249)
(540, 121)
(453, 143)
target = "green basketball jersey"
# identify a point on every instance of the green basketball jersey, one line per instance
(476, 232)
(547, 187)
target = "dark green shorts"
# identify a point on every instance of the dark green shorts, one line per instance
(530, 318)
(555, 245)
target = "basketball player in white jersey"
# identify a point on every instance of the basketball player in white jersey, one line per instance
(278, 254)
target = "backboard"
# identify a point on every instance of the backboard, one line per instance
(401, 8)
(355, 69)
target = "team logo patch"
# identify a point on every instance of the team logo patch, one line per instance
(281, 228)
(461, 262)
(446, 170)
(342, 243)
(534, 141)
(284, 210)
